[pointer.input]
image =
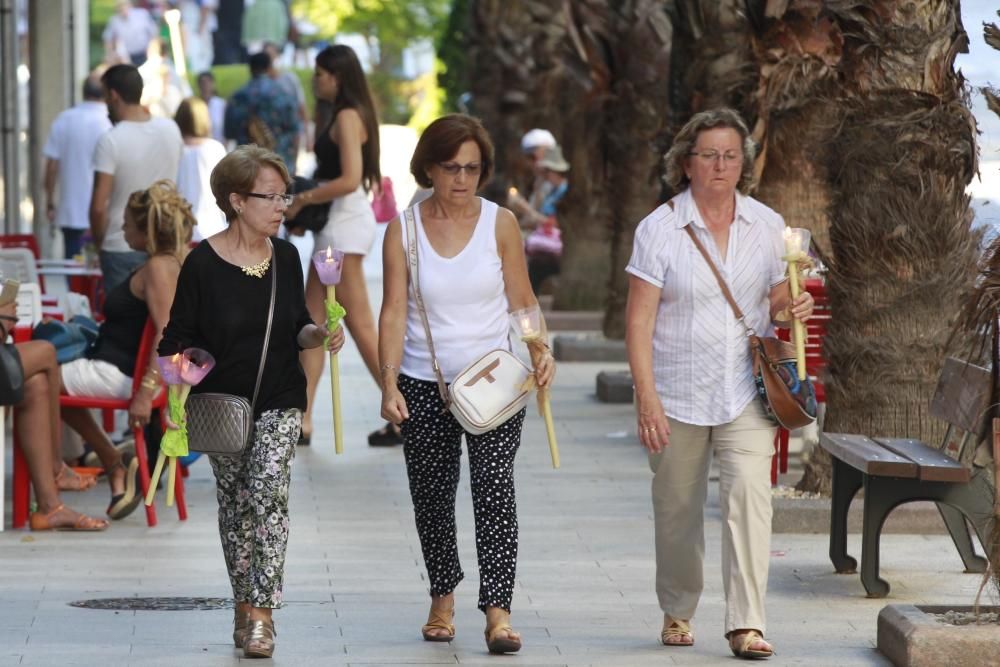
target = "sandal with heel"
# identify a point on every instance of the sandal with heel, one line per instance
(439, 620)
(259, 639)
(676, 632)
(125, 503)
(740, 643)
(241, 622)
(497, 644)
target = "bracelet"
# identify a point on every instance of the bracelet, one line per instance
(150, 384)
(389, 367)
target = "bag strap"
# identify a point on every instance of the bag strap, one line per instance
(413, 267)
(722, 282)
(267, 332)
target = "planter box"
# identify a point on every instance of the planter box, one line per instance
(911, 637)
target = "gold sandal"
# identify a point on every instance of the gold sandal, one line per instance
(744, 640)
(506, 644)
(241, 622)
(259, 639)
(438, 621)
(676, 633)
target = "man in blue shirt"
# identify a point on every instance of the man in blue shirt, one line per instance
(263, 113)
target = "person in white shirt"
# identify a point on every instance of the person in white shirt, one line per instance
(69, 162)
(201, 154)
(216, 105)
(138, 151)
(199, 23)
(694, 387)
(128, 33)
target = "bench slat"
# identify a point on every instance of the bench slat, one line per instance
(934, 465)
(867, 456)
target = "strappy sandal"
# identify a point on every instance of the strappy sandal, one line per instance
(241, 622)
(70, 480)
(125, 503)
(506, 644)
(387, 436)
(259, 640)
(740, 644)
(676, 633)
(83, 523)
(437, 620)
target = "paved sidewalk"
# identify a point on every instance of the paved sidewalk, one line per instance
(355, 584)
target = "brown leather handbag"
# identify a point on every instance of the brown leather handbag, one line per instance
(790, 401)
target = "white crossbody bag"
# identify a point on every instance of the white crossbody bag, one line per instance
(491, 389)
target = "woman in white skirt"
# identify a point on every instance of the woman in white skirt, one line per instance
(347, 166)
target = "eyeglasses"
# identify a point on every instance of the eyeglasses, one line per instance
(275, 198)
(452, 168)
(729, 158)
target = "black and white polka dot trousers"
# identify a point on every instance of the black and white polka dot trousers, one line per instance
(433, 450)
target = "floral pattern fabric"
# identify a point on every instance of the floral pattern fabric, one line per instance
(252, 490)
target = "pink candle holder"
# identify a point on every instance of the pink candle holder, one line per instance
(328, 264)
(170, 368)
(196, 363)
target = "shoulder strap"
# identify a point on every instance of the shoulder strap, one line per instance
(722, 282)
(270, 319)
(413, 267)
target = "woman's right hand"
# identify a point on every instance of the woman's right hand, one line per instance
(654, 429)
(394, 405)
(168, 422)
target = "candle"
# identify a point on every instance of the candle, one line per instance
(328, 266)
(796, 242)
(528, 323)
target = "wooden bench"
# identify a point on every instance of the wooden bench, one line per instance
(894, 471)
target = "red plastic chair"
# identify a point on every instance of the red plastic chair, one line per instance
(22, 483)
(816, 329)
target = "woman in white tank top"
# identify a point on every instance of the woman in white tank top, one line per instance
(472, 273)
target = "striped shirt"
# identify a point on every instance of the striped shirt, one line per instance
(701, 359)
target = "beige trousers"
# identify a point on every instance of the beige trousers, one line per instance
(680, 486)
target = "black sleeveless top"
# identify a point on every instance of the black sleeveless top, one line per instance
(327, 156)
(125, 317)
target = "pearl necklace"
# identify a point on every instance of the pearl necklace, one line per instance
(257, 270)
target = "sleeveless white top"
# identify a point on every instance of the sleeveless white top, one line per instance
(464, 298)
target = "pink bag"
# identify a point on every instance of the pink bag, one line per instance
(384, 201)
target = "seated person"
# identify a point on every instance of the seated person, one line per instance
(36, 419)
(543, 249)
(158, 221)
(553, 168)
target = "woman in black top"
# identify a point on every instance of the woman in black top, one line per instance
(158, 221)
(347, 157)
(223, 296)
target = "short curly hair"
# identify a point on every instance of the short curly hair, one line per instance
(723, 117)
(441, 141)
(237, 172)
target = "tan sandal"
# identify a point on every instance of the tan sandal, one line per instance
(259, 639)
(676, 633)
(506, 644)
(439, 620)
(70, 480)
(740, 644)
(82, 522)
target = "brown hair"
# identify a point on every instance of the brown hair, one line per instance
(236, 173)
(441, 141)
(685, 140)
(164, 216)
(192, 118)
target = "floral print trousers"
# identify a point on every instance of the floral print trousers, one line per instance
(252, 490)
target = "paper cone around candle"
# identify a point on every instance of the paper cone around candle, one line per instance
(328, 265)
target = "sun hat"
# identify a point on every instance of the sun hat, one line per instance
(537, 138)
(553, 160)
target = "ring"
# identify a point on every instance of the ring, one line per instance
(652, 428)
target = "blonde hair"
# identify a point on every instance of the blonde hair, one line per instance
(164, 216)
(237, 172)
(724, 117)
(192, 118)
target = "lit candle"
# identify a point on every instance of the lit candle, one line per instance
(794, 241)
(328, 267)
(528, 322)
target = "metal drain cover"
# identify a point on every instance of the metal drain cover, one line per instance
(155, 604)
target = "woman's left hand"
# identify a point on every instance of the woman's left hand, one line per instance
(140, 409)
(545, 371)
(802, 307)
(335, 339)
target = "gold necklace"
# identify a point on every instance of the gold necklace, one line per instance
(259, 269)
